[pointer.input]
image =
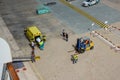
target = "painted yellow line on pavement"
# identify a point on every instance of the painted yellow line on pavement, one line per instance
(38, 74)
(100, 23)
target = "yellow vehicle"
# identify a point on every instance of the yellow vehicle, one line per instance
(84, 44)
(32, 33)
(89, 46)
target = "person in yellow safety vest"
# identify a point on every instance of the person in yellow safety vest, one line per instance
(41, 44)
(75, 58)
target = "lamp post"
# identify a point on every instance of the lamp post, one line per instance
(91, 26)
(106, 22)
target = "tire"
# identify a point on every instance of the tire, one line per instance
(89, 5)
(92, 48)
(82, 50)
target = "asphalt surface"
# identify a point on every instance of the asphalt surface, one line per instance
(22, 14)
(101, 12)
(77, 22)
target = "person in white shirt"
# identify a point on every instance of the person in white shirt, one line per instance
(32, 45)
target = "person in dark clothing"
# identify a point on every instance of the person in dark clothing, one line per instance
(63, 34)
(33, 57)
(66, 36)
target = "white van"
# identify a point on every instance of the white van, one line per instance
(89, 2)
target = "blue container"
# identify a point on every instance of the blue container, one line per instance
(42, 10)
(41, 47)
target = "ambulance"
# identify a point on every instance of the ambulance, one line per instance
(34, 35)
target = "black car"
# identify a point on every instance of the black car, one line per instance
(50, 3)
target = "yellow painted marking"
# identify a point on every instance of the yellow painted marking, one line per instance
(100, 23)
(37, 58)
(38, 74)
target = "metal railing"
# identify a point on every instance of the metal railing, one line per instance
(17, 59)
(4, 72)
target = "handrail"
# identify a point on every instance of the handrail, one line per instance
(4, 72)
(15, 59)
(12, 72)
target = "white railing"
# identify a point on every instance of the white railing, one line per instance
(110, 43)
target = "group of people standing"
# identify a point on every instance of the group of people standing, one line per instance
(65, 35)
(74, 56)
